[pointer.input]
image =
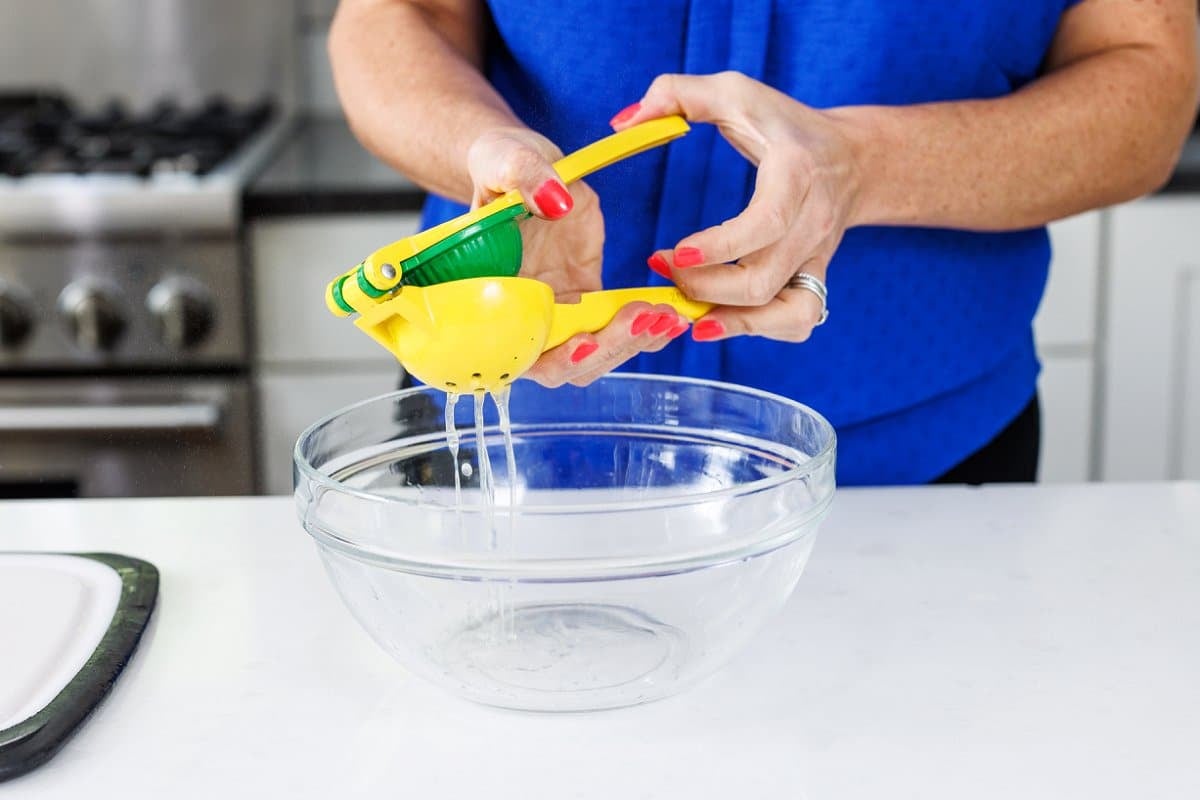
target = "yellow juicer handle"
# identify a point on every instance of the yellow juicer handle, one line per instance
(618, 146)
(570, 168)
(596, 309)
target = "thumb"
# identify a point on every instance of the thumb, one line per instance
(699, 98)
(501, 162)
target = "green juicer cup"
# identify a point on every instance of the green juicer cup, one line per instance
(489, 248)
(484, 243)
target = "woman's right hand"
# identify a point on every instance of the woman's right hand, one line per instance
(563, 247)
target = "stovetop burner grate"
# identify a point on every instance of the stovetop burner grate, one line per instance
(44, 134)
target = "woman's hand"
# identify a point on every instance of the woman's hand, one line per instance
(804, 200)
(563, 246)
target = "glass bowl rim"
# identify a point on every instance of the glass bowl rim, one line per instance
(586, 567)
(672, 500)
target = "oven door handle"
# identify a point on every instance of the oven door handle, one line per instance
(84, 418)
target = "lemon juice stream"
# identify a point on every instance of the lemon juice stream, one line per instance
(498, 604)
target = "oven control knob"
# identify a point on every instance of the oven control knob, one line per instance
(92, 315)
(184, 310)
(15, 320)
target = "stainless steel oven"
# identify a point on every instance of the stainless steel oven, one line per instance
(124, 367)
(124, 363)
(121, 437)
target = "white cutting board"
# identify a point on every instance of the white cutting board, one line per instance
(54, 610)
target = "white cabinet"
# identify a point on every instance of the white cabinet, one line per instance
(1067, 316)
(1151, 386)
(294, 259)
(1066, 387)
(308, 362)
(1065, 328)
(290, 402)
(1189, 380)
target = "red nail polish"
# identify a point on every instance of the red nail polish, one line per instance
(663, 324)
(641, 322)
(678, 330)
(688, 257)
(708, 329)
(625, 114)
(659, 264)
(553, 199)
(583, 351)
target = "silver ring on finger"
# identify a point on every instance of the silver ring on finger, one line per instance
(802, 280)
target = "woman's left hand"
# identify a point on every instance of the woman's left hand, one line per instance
(804, 200)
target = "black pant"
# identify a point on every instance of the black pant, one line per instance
(1011, 457)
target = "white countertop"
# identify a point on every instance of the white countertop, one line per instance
(943, 643)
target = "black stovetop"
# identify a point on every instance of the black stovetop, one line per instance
(44, 133)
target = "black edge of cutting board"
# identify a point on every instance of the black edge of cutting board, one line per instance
(31, 743)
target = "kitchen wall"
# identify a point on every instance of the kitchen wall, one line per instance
(316, 80)
(140, 50)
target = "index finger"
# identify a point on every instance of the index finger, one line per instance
(502, 162)
(779, 193)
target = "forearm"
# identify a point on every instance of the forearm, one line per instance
(1098, 131)
(409, 81)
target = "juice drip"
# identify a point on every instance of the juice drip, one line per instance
(498, 604)
(452, 445)
(500, 398)
(499, 594)
(506, 616)
(487, 485)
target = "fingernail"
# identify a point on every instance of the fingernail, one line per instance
(663, 324)
(583, 351)
(678, 330)
(688, 257)
(625, 114)
(553, 199)
(708, 329)
(659, 264)
(641, 322)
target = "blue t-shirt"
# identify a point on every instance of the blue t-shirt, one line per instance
(928, 352)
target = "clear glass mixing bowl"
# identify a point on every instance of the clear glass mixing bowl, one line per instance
(655, 524)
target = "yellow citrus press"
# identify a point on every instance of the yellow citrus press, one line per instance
(447, 304)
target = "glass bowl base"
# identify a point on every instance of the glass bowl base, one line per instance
(566, 657)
